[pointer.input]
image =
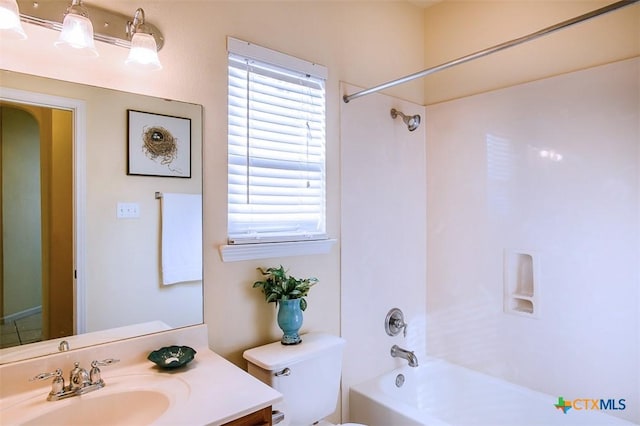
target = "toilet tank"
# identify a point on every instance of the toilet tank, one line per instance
(307, 375)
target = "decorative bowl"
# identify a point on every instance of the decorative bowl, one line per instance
(172, 356)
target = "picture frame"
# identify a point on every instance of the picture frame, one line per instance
(158, 145)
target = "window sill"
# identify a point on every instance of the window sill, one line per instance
(234, 253)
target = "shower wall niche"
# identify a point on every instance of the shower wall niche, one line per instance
(521, 283)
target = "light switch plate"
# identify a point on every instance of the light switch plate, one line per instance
(128, 210)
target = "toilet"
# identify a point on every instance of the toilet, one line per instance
(306, 374)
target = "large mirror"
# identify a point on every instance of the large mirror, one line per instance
(91, 251)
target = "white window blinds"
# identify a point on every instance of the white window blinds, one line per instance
(276, 157)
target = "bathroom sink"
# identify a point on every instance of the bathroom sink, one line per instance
(125, 408)
(135, 399)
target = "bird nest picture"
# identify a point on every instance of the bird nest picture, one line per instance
(159, 145)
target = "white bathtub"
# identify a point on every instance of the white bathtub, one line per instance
(439, 393)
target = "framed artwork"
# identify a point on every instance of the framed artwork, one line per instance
(158, 145)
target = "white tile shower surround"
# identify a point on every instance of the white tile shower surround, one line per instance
(550, 167)
(383, 237)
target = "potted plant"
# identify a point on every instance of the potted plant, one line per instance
(289, 294)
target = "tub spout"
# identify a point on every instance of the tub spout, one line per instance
(398, 352)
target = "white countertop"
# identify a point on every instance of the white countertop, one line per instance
(220, 392)
(211, 391)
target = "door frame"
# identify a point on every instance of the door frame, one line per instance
(79, 116)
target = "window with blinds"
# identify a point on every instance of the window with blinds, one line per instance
(276, 154)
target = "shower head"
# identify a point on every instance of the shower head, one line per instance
(412, 122)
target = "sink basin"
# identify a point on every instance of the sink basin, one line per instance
(136, 399)
(124, 408)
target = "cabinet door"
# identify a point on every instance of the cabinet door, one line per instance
(258, 418)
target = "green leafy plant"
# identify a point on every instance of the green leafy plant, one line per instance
(278, 285)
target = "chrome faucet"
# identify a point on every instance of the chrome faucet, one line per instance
(78, 377)
(398, 352)
(80, 380)
(395, 322)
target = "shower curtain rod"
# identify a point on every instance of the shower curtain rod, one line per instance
(490, 50)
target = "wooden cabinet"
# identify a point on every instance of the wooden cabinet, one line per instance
(257, 418)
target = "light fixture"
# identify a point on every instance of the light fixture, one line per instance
(109, 27)
(77, 31)
(144, 51)
(10, 26)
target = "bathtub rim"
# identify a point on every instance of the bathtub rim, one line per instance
(420, 417)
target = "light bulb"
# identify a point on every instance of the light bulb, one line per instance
(77, 35)
(144, 52)
(10, 25)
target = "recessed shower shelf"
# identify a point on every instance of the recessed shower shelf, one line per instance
(521, 284)
(523, 305)
(523, 296)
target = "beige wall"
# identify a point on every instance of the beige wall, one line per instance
(457, 28)
(22, 237)
(359, 42)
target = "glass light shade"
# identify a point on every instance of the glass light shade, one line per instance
(10, 25)
(77, 35)
(144, 52)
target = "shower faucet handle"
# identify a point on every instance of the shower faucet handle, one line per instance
(400, 324)
(394, 322)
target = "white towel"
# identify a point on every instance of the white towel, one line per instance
(181, 238)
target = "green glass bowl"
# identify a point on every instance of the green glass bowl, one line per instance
(172, 356)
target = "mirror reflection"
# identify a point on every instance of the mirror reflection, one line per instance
(37, 223)
(87, 248)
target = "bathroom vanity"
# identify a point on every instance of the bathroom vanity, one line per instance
(207, 391)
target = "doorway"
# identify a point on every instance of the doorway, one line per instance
(36, 220)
